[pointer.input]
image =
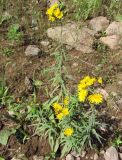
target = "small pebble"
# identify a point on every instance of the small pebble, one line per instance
(70, 157)
(102, 152)
(83, 154)
(96, 156)
(120, 155)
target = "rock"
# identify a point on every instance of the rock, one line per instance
(120, 155)
(73, 153)
(45, 43)
(111, 154)
(28, 85)
(70, 157)
(120, 149)
(70, 34)
(32, 50)
(114, 28)
(11, 113)
(99, 23)
(113, 42)
(96, 156)
(102, 152)
(83, 154)
(38, 158)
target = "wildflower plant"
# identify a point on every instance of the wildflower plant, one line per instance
(71, 122)
(54, 12)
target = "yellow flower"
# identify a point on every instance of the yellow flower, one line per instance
(59, 116)
(57, 107)
(82, 94)
(49, 12)
(90, 81)
(65, 111)
(54, 12)
(51, 18)
(58, 14)
(100, 80)
(68, 132)
(86, 82)
(95, 98)
(66, 101)
(54, 6)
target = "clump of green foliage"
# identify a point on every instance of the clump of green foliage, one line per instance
(72, 123)
(13, 33)
(86, 8)
(7, 51)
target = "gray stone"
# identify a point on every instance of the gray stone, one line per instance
(83, 154)
(45, 43)
(32, 50)
(114, 28)
(96, 156)
(111, 154)
(113, 42)
(70, 157)
(102, 152)
(120, 155)
(38, 158)
(28, 84)
(99, 23)
(71, 34)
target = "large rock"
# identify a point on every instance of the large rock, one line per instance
(113, 42)
(111, 154)
(32, 50)
(70, 34)
(114, 28)
(99, 23)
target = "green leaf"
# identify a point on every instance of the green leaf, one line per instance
(1, 158)
(4, 135)
(56, 145)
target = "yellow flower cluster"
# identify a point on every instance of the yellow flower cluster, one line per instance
(95, 98)
(60, 111)
(54, 12)
(68, 132)
(83, 90)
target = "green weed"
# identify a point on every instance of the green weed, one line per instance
(80, 119)
(13, 33)
(7, 51)
(86, 8)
